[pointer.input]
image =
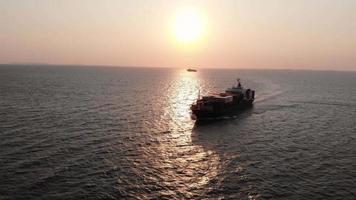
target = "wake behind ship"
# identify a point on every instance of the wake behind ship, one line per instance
(217, 105)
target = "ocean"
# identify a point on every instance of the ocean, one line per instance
(72, 132)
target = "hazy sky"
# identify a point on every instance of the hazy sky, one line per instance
(314, 34)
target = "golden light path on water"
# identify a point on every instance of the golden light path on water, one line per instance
(185, 167)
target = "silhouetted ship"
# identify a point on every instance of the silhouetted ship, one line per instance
(218, 105)
(191, 70)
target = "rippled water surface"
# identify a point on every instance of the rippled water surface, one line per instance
(126, 133)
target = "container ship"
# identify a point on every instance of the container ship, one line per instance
(234, 99)
(191, 70)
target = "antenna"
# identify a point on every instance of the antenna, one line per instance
(238, 83)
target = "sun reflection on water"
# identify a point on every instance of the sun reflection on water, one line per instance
(183, 92)
(182, 165)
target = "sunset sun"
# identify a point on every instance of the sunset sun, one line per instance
(188, 26)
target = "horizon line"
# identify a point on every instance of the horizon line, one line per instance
(166, 67)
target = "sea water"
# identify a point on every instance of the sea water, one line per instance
(71, 132)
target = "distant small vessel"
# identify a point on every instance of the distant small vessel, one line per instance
(191, 70)
(232, 100)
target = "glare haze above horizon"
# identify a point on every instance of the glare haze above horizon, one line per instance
(290, 34)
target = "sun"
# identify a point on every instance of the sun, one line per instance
(188, 26)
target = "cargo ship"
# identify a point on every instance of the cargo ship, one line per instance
(212, 106)
(191, 70)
